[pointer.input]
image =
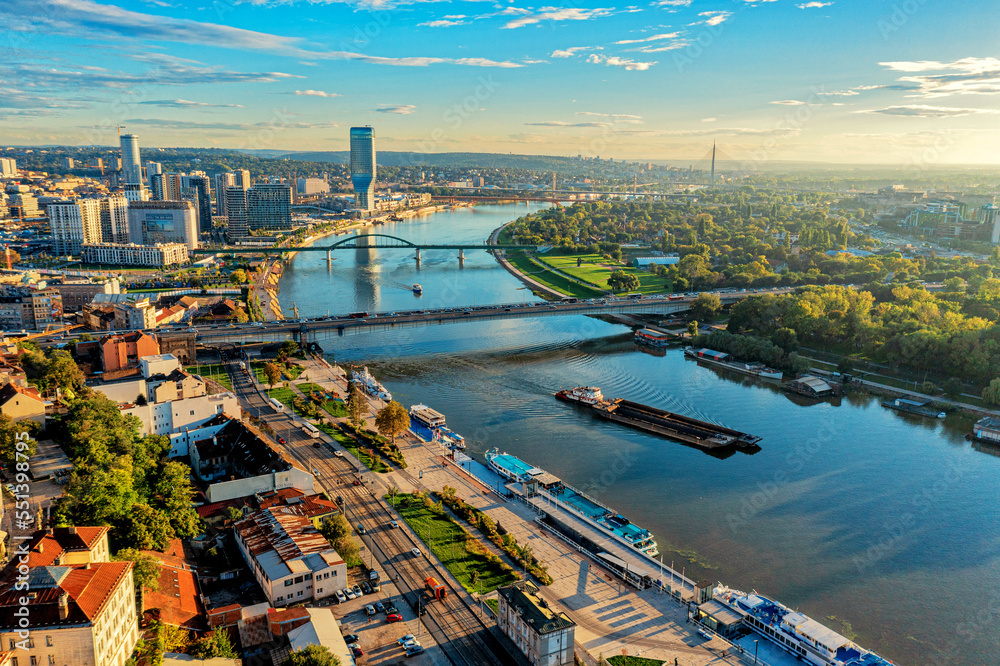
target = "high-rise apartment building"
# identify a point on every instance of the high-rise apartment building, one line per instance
(202, 187)
(114, 219)
(132, 168)
(269, 206)
(69, 163)
(152, 222)
(236, 211)
(152, 169)
(74, 223)
(310, 186)
(8, 166)
(363, 167)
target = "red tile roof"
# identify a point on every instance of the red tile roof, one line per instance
(47, 546)
(87, 590)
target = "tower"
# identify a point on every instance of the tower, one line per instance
(132, 168)
(713, 164)
(363, 166)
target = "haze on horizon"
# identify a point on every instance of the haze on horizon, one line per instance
(771, 80)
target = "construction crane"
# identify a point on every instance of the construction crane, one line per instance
(50, 331)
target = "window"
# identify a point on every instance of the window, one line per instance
(34, 661)
(319, 590)
(299, 593)
(52, 659)
(309, 576)
(288, 583)
(298, 579)
(48, 641)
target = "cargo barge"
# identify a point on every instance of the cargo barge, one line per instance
(661, 422)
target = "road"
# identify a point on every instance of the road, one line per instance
(456, 627)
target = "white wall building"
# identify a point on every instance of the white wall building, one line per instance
(114, 219)
(73, 224)
(8, 166)
(152, 222)
(544, 636)
(128, 254)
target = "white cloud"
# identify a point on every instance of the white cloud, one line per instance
(615, 61)
(188, 104)
(673, 3)
(967, 76)
(530, 17)
(708, 120)
(570, 52)
(562, 123)
(442, 23)
(315, 93)
(788, 102)
(666, 35)
(814, 5)
(927, 111)
(398, 109)
(714, 17)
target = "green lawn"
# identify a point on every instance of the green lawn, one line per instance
(596, 270)
(282, 394)
(293, 372)
(351, 445)
(543, 275)
(448, 541)
(334, 408)
(494, 604)
(620, 660)
(215, 372)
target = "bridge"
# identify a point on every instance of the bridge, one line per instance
(328, 327)
(367, 241)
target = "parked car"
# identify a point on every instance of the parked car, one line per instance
(341, 597)
(366, 587)
(357, 591)
(351, 638)
(379, 606)
(369, 610)
(350, 593)
(390, 608)
(357, 652)
(413, 650)
(394, 617)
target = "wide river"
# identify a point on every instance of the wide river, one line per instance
(884, 527)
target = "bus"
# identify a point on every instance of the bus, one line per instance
(310, 430)
(279, 406)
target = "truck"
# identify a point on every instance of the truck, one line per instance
(437, 590)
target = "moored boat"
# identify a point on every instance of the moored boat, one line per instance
(724, 360)
(364, 379)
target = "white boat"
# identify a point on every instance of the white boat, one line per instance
(417, 289)
(364, 379)
(585, 395)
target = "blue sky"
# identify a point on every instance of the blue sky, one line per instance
(874, 81)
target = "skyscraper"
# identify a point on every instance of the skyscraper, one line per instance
(363, 167)
(269, 206)
(114, 219)
(236, 210)
(132, 168)
(203, 187)
(151, 222)
(74, 223)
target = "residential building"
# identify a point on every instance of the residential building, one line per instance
(73, 224)
(29, 309)
(312, 186)
(222, 181)
(24, 205)
(135, 314)
(114, 219)
(96, 163)
(269, 206)
(177, 601)
(159, 255)
(132, 168)
(82, 606)
(990, 216)
(125, 349)
(545, 636)
(363, 169)
(316, 508)
(234, 450)
(81, 292)
(8, 167)
(291, 560)
(69, 163)
(20, 403)
(152, 222)
(236, 211)
(202, 186)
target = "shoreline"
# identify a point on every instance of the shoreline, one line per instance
(534, 285)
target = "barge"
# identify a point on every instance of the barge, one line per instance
(986, 430)
(652, 338)
(556, 491)
(682, 428)
(724, 360)
(918, 407)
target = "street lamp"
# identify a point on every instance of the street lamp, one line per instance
(755, 653)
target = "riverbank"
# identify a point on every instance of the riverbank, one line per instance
(546, 282)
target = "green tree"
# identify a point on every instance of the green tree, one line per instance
(991, 394)
(145, 569)
(146, 528)
(215, 645)
(357, 406)
(953, 387)
(845, 365)
(392, 420)
(288, 348)
(272, 371)
(9, 431)
(706, 306)
(786, 339)
(692, 328)
(312, 655)
(239, 276)
(335, 528)
(174, 493)
(619, 280)
(62, 372)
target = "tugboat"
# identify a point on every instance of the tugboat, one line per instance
(586, 395)
(417, 289)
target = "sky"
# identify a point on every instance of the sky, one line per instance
(912, 82)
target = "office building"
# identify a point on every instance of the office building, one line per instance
(74, 223)
(542, 634)
(114, 219)
(24, 205)
(269, 206)
(288, 556)
(363, 167)
(312, 186)
(132, 168)
(202, 188)
(81, 291)
(153, 222)
(223, 181)
(29, 309)
(152, 169)
(8, 166)
(160, 255)
(82, 606)
(156, 187)
(990, 216)
(236, 212)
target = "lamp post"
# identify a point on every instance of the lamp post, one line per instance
(755, 653)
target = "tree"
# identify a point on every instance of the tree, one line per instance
(786, 339)
(953, 387)
(62, 372)
(213, 646)
(288, 348)
(239, 276)
(145, 569)
(991, 394)
(621, 281)
(9, 431)
(706, 306)
(845, 365)
(335, 528)
(357, 406)
(140, 400)
(233, 514)
(392, 420)
(272, 371)
(146, 528)
(692, 328)
(312, 655)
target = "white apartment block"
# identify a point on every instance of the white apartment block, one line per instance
(545, 636)
(73, 224)
(128, 254)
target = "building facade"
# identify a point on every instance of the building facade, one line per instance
(125, 350)
(8, 166)
(545, 636)
(310, 186)
(29, 309)
(77, 294)
(74, 223)
(269, 206)
(128, 254)
(363, 171)
(114, 219)
(135, 190)
(236, 211)
(202, 187)
(152, 222)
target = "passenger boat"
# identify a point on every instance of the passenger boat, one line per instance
(647, 336)
(724, 360)
(364, 379)
(417, 289)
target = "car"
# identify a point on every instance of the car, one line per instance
(341, 597)
(379, 606)
(351, 638)
(394, 617)
(316, 445)
(366, 587)
(408, 638)
(413, 650)
(415, 552)
(394, 524)
(357, 591)
(369, 610)
(390, 608)
(282, 440)
(349, 593)
(357, 652)
(339, 454)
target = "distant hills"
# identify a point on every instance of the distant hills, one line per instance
(456, 160)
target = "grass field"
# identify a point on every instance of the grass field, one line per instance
(540, 273)
(282, 394)
(215, 372)
(621, 660)
(459, 551)
(293, 372)
(594, 271)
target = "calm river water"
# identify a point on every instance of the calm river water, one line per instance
(886, 528)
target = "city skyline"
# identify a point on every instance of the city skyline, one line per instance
(771, 80)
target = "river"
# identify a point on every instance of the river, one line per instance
(884, 527)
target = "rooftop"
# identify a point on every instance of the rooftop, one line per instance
(82, 594)
(284, 541)
(523, 597)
